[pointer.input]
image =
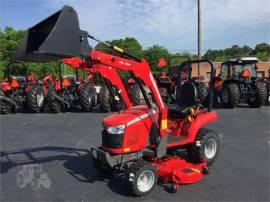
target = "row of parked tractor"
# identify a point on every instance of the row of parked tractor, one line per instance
(25, 93)
(236, 83)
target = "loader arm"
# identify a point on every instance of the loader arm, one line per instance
(107, 64)
(48, 40)
(142, 73)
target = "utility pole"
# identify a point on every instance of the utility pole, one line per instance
(199, 34)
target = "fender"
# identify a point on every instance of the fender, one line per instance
(199, 122)
(5, 86)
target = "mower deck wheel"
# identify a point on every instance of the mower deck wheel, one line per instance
(142, 177)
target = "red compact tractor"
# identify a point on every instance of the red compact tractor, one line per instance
(141, 141)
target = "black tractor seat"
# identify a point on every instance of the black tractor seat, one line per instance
(186, 98)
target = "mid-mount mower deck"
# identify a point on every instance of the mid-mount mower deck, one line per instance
(142, 141)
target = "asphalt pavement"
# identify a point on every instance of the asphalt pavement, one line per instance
(45, 157)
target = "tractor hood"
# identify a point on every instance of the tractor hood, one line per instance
(58, 36)
(128, 117)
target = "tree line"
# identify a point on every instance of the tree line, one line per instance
(10, 39)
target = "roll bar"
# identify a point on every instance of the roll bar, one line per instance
(10, 67)
(211, 83)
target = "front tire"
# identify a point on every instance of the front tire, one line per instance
(205, 147)
(142, 177)
(230, 95)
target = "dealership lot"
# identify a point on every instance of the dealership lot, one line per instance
(45, 157)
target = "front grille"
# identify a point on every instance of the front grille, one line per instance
(112, 141)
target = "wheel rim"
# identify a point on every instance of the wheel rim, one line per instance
(210, 148)
(146, 180)
(40, 99)
(225, 95)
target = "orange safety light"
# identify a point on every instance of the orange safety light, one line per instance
(31, 78)
(14, 84)
(245, 73)
(66, 82)
(161, 63)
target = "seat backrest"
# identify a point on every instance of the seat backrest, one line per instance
(187, 95)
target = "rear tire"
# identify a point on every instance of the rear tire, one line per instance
(205, 147)
(202, 92)
(260, 95)
(3, 104)
(105, 99)
(53, 103)
(85, 97)
(135, 94)
(142, 177)
(230, 95)
(35, 98)
(164, 95)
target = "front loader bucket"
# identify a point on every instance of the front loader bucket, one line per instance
(58, 36)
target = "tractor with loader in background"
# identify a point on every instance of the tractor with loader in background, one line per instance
(140, 141)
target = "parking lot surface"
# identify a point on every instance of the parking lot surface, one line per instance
(45, 157)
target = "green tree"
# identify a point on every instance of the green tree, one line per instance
(152, 54)
(129, 44)
(262, 51)
(9, 41)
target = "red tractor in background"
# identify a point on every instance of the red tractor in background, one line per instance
(14, 91)
(71, 92)
(167, 81)
(238, 83)
(110, 99)
(36, 96)
(140, 141)
(115, 92)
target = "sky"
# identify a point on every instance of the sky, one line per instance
(169, 23)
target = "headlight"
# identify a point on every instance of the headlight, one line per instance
(116, 129)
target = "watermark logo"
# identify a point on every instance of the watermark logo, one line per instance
(33, 175)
